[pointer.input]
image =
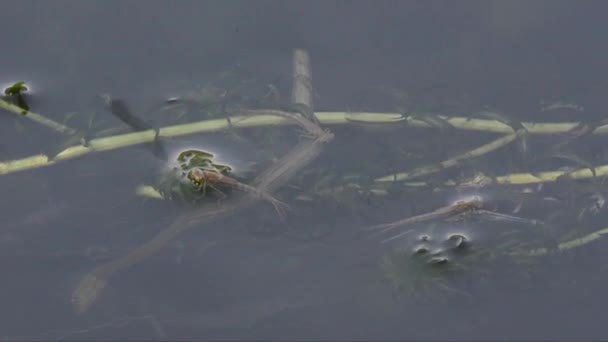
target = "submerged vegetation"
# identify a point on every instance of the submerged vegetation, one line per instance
(16, 93)
(508, 211)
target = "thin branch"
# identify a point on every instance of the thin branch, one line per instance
(474, 153)
(63, 129)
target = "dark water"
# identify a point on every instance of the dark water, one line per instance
(238, 279)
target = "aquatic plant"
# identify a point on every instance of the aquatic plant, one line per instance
(420, 266)
(15, 92)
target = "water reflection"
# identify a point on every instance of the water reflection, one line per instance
(249, 276)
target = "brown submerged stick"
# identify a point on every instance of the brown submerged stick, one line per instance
(201, 175)
(457, 208)
(93, 283)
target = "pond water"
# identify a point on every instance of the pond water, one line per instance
(315, 275)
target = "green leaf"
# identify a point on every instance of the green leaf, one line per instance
(16, 89)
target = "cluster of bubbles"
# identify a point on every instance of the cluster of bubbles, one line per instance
(427, 264)
(440, 252)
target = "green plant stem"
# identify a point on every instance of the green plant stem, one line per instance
(36, 117)
(564, 246)
(302, 82)
(262, 119)
(463, 123)
(426, 170)
(93, 283)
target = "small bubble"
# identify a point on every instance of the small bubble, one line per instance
(421, 250)
(437, 261)
(459, 240)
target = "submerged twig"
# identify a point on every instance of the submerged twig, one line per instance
(92, 284)
(457, 208)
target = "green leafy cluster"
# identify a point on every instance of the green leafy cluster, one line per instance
(16, 91)
(177, 184)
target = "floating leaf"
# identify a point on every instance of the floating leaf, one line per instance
(191, 154)
(16, 89)
(222, 168)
